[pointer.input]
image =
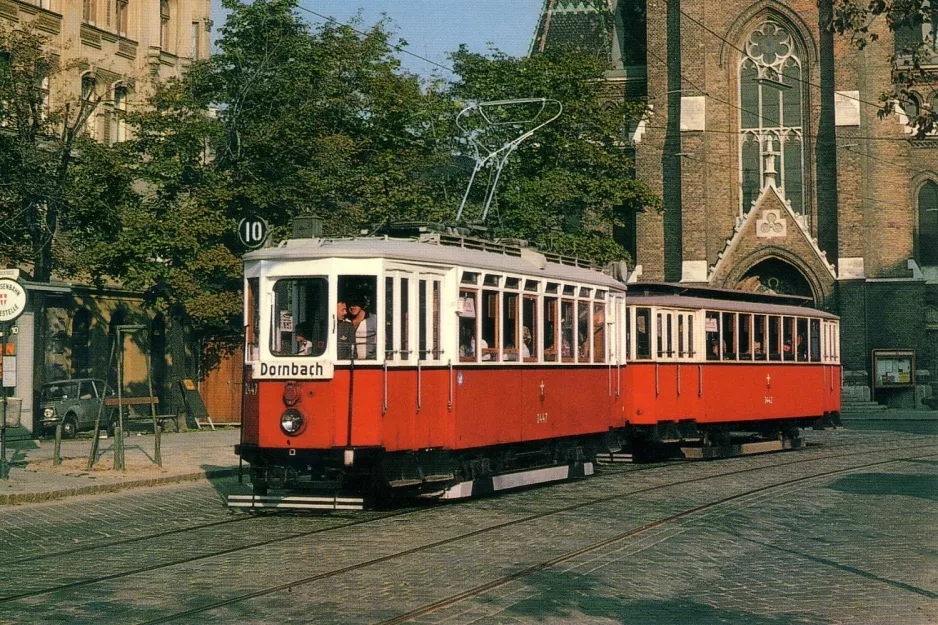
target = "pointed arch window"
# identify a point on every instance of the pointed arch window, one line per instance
(771, 113)
(928, 224)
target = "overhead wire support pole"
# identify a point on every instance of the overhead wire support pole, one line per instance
(498, 157)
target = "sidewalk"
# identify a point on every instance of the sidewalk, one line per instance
(186, 456)
(891, 414)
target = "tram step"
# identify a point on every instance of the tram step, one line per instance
(613, 458)
(296, 502)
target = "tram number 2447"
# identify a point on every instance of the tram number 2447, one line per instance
(541, 417)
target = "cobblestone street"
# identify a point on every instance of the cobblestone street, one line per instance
(841, 532)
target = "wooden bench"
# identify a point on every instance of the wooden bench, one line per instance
(114, 402)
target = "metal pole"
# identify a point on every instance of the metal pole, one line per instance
(119, 430)
(4, 467)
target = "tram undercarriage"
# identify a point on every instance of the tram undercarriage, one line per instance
(375, 475)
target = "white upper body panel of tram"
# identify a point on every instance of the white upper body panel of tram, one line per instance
(505, 259)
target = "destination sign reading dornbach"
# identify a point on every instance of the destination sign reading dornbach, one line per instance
(300, 369)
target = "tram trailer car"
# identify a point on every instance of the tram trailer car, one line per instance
(473, 366)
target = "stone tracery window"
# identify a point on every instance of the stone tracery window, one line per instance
(771, 115)
(928, 224)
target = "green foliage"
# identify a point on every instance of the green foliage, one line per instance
(572, 181)
(43, 184)
(913, 61)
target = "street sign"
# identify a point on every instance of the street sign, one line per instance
(12, 299)
(252, 231)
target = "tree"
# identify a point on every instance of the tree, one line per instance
(914, 59)
(43, 183)
(573, 180)
(283, 121)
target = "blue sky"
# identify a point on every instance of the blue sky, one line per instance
(435, 27)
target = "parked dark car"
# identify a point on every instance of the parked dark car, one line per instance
(74, 404)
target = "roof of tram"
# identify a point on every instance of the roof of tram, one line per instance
(440, 250)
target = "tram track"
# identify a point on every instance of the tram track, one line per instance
(610, 472)
(478, 590)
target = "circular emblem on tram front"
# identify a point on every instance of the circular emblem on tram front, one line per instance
(12, 299)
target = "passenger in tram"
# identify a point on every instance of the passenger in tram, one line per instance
(757, 349)
(345, 331)
(304, 347)
(801, 347)
(366, 327)
(527, 342)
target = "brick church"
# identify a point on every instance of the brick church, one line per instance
(777, 173)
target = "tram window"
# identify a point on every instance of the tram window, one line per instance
(680, 336)
(510, 326)
(628, 333)
(489, 344)
(583, 332)
(360, 295)
(422, 320)
(405, 318)
(530, 285)
(437, 353)
(713, 335)
(788, 351)
(512, 283)
(388, 318)
(529, 329)
(467, 325)
(729, 336)
(600, 294)
(745, 337)
(569, 289)
(566, 330)
(643, 333)
(300, 317)
(552, 287)
(585, 292)
(775, 338)
(690, 336)
(801, 339)
(670, 339)
(470, 277)
(252, 322)
(599, 332)
(815, 340)
(491, 280)
(659, 336)
(550, 329)
(759, 337)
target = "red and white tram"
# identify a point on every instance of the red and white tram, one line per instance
(473, 366)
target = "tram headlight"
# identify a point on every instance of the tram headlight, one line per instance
(292, 422)
(48, 413)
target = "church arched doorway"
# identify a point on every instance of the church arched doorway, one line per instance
(774, 275)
